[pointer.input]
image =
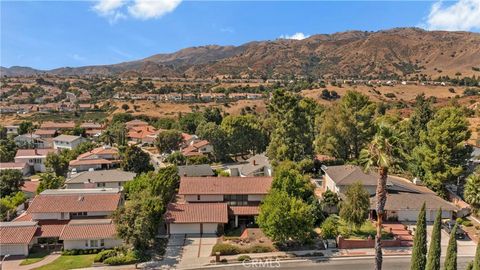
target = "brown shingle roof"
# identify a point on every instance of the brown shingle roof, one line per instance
(89, 229)
(74, 203)
(345, 175)
(224, 185)
(17, 232)
(197, 213)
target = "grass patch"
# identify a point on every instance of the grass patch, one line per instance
(35, 256)
(367, 229)
(66, 262)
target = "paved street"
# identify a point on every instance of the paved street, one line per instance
(390, 263)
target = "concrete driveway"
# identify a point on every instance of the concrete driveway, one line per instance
(188, 251)
(465, 247)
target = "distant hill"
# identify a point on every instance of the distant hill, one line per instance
(400, 51)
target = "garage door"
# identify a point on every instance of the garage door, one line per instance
(13, 250)
(184, 228)
(210, 228)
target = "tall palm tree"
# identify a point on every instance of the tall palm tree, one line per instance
(107, 137)
(384, 152)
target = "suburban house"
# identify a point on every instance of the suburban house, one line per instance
(58, 125)
(199, 148)
(200, 170)
(207, 204)
(100, 158)
(135, 123)
(142, 134)
(188, 139)
(92, 129)
(16, 238)
(99, 179)
(29, 188)
(74, 218)
(35, 158)
(67, 141)
(21, 166)
(32, 140)
(45, 133)
(404, 198)
(12, 129)
(258, 165)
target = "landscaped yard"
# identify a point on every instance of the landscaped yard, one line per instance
(35, 256)
(66, 262)
(367, 229)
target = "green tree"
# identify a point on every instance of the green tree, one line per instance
(287, 178)
(471, 192)
(25, 127)
(169, 140)
(442, 152)
(476, 261)
(176, 158)
(162, 184)
(9, 204)
(119, 132)
(213, 114)
(135, 160)
(347, 127)
(190, 121)
(8, 149)
(285, 218)
(451, 257)
(107, 137)
(329, 228)
(419, 252)
(121, 118)
(10, 182)
(246, 134)
(78, 131)
(293, 135)
(330, 201)
(434, 252)
(3, 132)
(57, 163)
(49, 180)
(354, 209)
(217, 137)
(384, 152)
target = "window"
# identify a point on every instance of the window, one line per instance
(102, 242)
(93, 243)
(100, 184)
(198, 197)
(79, 214)
(86, 243)
(236, 199)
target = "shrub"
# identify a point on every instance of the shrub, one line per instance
(80, 251)
(329, 227)
(390, 95)
(129, 258)
(243, 258)
(105, 254)
(259, 249)
(226, 249)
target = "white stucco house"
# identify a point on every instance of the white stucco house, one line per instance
(67, 141)
(34, 158)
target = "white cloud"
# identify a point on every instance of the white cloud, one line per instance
(115, 10)
(150, 9)
(297, 36)
(463, 15)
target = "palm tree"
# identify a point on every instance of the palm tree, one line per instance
(107, 137)
(383, 153)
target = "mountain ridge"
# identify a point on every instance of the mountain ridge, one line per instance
(404, 52)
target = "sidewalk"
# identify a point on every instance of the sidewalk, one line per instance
(15, 264)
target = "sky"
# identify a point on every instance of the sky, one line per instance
(51, 34)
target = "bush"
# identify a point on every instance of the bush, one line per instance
(243, 258)
(80, 251)
(120, 260)
(105, 254)
(390, 95)
(259, 249)
(226, 249)
(329, 227)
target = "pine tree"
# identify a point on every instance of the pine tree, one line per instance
(420, 242)
(476, 262)
(433, 261)
(451, 258)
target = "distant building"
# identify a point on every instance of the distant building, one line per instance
(35, 158)
(66, 141)
(20, 166)
(195, 170)
(100, 158)
(99, 179)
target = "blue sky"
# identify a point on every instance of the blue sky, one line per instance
(52, 34)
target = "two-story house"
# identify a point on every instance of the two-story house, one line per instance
(100, 158)
(99, 179)
(76, 218)
(32, 141)
(35, 158)
(207, 204)
(67, 141)
(404, 198)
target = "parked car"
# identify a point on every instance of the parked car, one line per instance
(448, 227)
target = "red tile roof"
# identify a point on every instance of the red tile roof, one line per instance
(12, 165)
(51, 228)
(249, 210)
(197, 213)
(224, 185)
(34, 152)
(89, 162)
(45, 132)
(17, 232)
(30, 186)
(89, 229)
(99, 151)
(74, 203)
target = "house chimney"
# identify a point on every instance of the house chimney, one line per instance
(80, 198)
(254, 162)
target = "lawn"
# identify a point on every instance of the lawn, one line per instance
(65, 262)
(367, 229)
(35, 256)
